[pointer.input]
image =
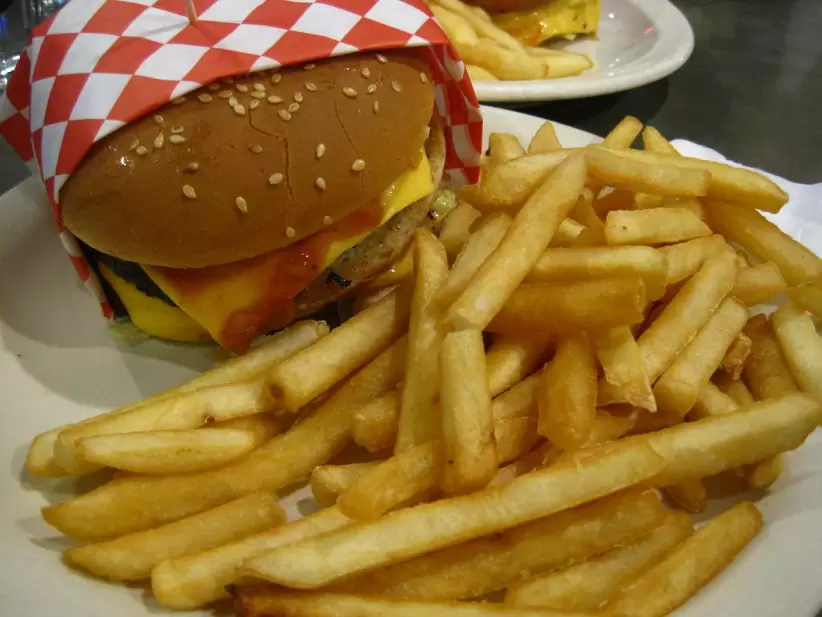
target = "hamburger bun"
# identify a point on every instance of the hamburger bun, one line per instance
(196, 183)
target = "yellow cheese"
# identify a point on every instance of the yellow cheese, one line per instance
(558, 18)
(153, 316)
(239, 301)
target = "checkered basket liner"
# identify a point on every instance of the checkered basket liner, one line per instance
(99, 64)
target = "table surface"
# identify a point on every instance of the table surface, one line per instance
(749, 90)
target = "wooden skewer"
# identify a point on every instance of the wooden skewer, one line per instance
(191, 12)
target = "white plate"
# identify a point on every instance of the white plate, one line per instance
(639, 42)
(58, 365)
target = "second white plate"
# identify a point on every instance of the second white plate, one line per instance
(639, 41)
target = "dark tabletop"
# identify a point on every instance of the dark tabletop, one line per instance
(749, 90)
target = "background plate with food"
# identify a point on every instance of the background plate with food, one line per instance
(532, 50)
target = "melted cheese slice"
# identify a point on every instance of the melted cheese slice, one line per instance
(237, 302)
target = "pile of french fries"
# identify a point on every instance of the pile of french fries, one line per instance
(559, 463)
(491, 54)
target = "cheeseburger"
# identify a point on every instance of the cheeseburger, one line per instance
(260, 199)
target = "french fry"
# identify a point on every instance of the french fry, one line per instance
(514, 437)
(636, 174)
(712, 402)
(374, 426)
(460, 31)
(686, 258)
(503, 62)
(478, 73)
(328, 482)
(133, 556)
(545, 308)
(653, 226)
(40, 456)
(142, 415)
(544, 140)
(732, 184)
(567, 265)
(484, 28)
(526, 240)
(165, 452)
(689, 310)
(417, 424)
(456, 228)
(517, 402)
(191, 582)
(583, 212)
(691, 566)
(567, 234)
(568, 393)
(765, 241)
(590, 584)
(735, 356)
(468, 432)
(766, 371)
(692, 204)
(801, 346)
(713, 445)
(762, 475)
(678, 388)
(503, 147)
(735, 388)
(264, 602)
(561, 63)
(758, 284)
(397, 480)
(690, 495)
(303, 376)
(488, 564)
(510, 359)
(624, 375)
(653, 141)
(406, 533)
(809, 297)
(624, 133)
(613, 200)
(137, 503)
(646, 201)
(476, 250)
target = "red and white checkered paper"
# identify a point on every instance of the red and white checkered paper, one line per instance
(99, 64)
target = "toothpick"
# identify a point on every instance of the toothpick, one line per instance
(191, 12)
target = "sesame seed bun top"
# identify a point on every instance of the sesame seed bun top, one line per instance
(238, 169)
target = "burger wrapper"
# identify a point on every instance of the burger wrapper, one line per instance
(96, 65)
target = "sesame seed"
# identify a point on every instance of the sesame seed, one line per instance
(205, 97)
(376, 107)
(424, 78)
(224, 94)
(275, 179)
(189, 192)
(254, 104)
(289, 231)
(293, 107)
(141, 150)
(214, 87)
(396, 86)
(320, 182)
(233, 102)
(381, 59)
(241, 88)
(259, 87)
(179, 100)
(258, 95)
(158, 120)
(372, 88)
(133, 145)
(310, 86)
(255, 148)
(275, 78)
(309, 66)
(284, 115)
(298, 97)
(195, 166)
(159, 141)
(242, 204)
(358, 165)
(177, 129)
(366, 72)
(350, 92)
(239, 110)
(327, 220)
(274, 99)
(320, 150)
(177, 139)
